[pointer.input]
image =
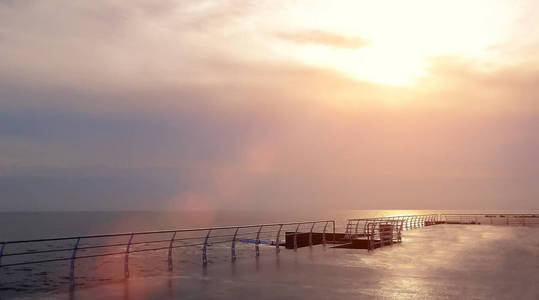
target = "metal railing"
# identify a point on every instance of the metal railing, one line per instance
(72, 249)
(204, 240)
(359, 227)
(382, 233)
(492, 219)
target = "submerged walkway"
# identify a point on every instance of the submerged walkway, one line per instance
(444, 261)
(442, 257)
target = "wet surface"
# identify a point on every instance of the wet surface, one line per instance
(436, 262)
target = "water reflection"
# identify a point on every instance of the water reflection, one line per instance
(257, 263)
(170, 288)
(446, 261)
(126, 289)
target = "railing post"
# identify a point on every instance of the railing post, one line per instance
(257, 242)
(382, 241)
(170, 265)
(72, 266)
(399, 233)
(2, 252)
(126, 260)
(233, 246)
(365, 226)
(370, 229)
(295, 238)
(278, 239)
(324, 234)
(311, 235)
(367, 231)
(334, 236)
(204, 256)
(404, 222)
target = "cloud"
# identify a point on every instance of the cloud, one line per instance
(272, 133)
(140, 108)
(463, 83)
(323, 38)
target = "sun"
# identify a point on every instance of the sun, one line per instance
(402, 36)
(372, 63)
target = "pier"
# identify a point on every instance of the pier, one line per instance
(212, 244)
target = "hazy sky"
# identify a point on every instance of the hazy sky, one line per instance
(269, 104)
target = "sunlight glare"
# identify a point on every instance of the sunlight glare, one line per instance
(401, 35)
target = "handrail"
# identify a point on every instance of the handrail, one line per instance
(491, 218)
(393, 217)
(160, 231)
(408, 222)
(377, 235)
(73, 248)
(492, 214)
(31, 251)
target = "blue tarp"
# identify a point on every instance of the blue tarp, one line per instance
(254, 241)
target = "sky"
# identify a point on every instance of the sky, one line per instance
(178, 105)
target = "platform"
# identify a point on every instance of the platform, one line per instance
(446, 261)
(82, 263)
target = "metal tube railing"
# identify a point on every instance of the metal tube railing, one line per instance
(408, 222)
(257, 248)
(277, 239)
(34, 251)
(72, 265)
(381, 232)
(37, 251)
(169, 258)
(126, 265)
(492, 219)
